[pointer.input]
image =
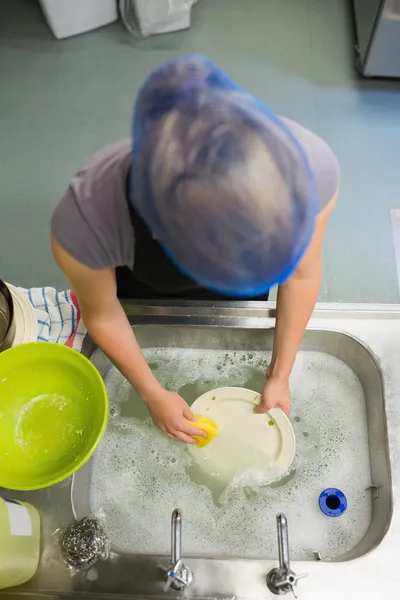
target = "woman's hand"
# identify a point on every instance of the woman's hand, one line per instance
(275, 394)
(169, 413)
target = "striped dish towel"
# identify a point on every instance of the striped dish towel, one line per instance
(58, 315)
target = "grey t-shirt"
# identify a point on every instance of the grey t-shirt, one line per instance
(92, 223)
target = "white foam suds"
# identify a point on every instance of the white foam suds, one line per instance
(139, 476)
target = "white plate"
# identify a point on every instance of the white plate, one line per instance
(25, 318)
(263, 446)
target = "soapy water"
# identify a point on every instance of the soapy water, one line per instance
(140, 476)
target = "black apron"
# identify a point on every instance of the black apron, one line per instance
(154, 275)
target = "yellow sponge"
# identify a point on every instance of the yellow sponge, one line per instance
(207, 425)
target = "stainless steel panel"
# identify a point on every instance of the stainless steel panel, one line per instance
(366, 14)
(378, 33)
(375, 572)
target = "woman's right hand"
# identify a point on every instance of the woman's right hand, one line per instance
(171, 414)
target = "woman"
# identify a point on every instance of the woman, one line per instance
(217, 198)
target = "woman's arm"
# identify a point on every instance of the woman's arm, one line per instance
(110, 329)
(295, 304)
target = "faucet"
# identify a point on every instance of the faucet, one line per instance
(282, 580)
(178, 575)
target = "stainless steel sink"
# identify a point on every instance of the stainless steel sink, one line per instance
(334, 330)
(350, 351)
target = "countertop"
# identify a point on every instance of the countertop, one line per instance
(369, 577)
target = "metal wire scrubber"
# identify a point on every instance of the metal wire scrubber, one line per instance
(84, 543)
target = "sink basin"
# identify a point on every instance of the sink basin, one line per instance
(339, 418)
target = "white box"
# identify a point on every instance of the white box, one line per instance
(70, 17)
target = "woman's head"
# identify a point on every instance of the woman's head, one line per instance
(218, 178)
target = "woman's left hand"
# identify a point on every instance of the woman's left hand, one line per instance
(275, 394)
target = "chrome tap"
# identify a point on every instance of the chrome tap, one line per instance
(179, 576)
(282, 579)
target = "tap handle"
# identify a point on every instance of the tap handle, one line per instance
(175, 577)
(289, 583)
(178, 577)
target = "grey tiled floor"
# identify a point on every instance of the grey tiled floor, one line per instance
(60, 100)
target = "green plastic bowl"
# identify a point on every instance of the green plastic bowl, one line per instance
(53, 413)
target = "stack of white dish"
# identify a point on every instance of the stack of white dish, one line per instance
(24, 316)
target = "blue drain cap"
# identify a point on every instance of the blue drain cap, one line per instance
(332, 502)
